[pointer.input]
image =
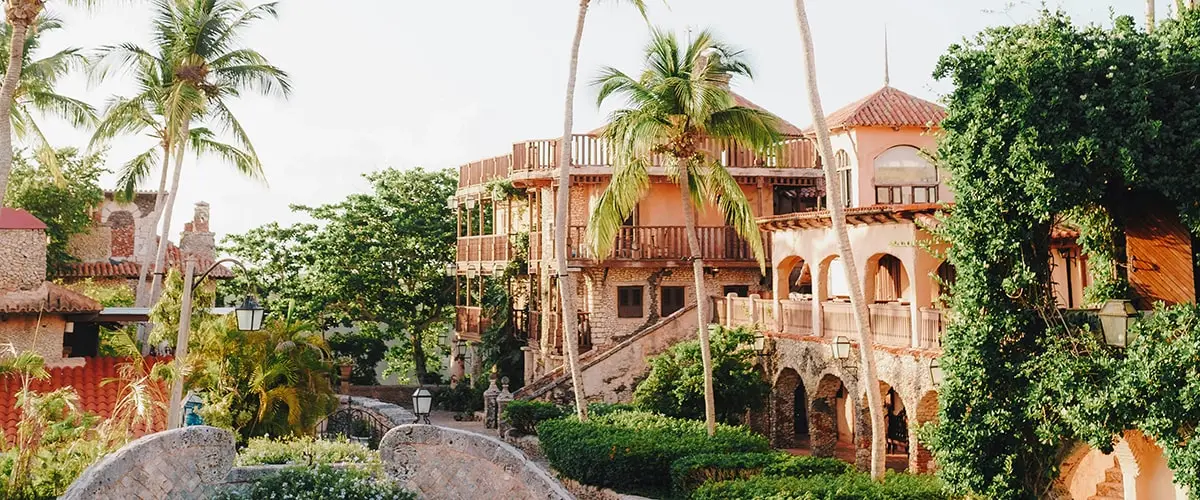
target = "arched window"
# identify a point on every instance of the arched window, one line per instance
(888, 279)
(841, 160)
(903, 175)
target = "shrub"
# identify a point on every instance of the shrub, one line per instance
(807, 466)
(854, 486)
(675, 384)
(463, 397)
(525, 415)
(601, 409)
(634, 449)
(305, 451)
(692, 471)
(324, 482)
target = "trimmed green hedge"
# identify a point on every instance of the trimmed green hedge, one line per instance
(689, 472)
(800, 466)
(627, 449)
(304, 450)
(855, 486)
(524, 416)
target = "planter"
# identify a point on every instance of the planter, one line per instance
(346, 369)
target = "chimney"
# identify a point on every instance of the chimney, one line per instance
(196, 238)
(22, 250)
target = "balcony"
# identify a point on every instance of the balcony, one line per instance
(470, 323)
(583, 333)
(891, 324)
(591, 151)
(490, 248)
(659, 245)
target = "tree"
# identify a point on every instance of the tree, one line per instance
(566, 285)
(858, 303)
(675, 384)
(283, 279)
(681, 99)
(35, 90)
(63, 200)
(21, 15)
(202, 65)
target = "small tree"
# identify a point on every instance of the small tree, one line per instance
(62, 195)
(675, 385)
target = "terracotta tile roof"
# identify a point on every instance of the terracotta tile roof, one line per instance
(48, 297)
(785, 127)
(129, 269)
(873, 214)
(15, 218)
(887, 107)
(94, 397)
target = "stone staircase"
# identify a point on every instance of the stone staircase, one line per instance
(1113, 487)
(609, 372)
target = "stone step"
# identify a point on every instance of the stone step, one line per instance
(1110, 489)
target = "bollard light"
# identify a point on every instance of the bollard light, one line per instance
(422, 403)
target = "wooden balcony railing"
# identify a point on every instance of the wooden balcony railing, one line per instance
(931, 328)
(470, 323)
(838, 319)
(797, 316)
(583, 333)
(593, 151)
(666, 243)
(890, 323)
(535, 246)
(484, 248)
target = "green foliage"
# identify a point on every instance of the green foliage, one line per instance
(1098, 236)
(165, 313)
(524, 416)
(602, 409)
(463, 397)
(691, 471)
(365, 348)
(304, 450)
(853, 486)
(675, 385)
(107, 294)
(1048, 119)
(800, 466)
(63, 197)
(320, 483)
(634, 449)
(503, 189)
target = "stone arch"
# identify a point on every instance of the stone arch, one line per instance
(1087, 472)
(886, 279)
(794, 276)
(896, 429)
(903, 165)
(760, 420)
(920, 459)
(1144, 468)
(946, 276)
(829, 416)
(122, 225)
(181, 463)
(789, 403)
(832, 283)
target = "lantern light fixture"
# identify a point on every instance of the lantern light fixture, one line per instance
(935, 372)
(841, 347)
(249, 315)
(422, 403)
(1116, 317)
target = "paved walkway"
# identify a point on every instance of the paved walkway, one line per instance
(446, 419)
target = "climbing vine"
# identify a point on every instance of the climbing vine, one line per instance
(1053, 122)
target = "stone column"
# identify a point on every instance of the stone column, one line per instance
(502, 401)
(491, 412)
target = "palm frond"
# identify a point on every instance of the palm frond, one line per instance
(629, 183)
(751, 128)
(735, 207)
(136, 170)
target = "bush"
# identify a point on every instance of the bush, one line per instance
(690, 472)
(305, 451)
(854, 486)
(675, 385)
(807, 466)
(525, 415)
(463, 397)
(601, 409)
(634, 449)
(324, 482)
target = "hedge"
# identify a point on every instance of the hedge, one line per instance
(524, 416)
(304, 450)
(633, 450)
(854, 486)
(689, 472)
(800, 466)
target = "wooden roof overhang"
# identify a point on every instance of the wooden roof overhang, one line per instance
(871, 215)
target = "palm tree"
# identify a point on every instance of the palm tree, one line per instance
(681, 99)
(21, 16)
(566, 286)
(837, 215)
(35, 90)
(203, 66)
(144, 115)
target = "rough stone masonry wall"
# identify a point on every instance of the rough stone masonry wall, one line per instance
(438, 462)
(187, 463)
(18, 331)
(22, 258)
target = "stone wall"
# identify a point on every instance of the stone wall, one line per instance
(437, 462)
(18, 331)
(22, 258)
(94, 245)
(187, 463)
(385, 412)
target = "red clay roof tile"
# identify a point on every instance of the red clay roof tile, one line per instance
(887, 107)
(48, 297)
(129, 269)
(15, 218)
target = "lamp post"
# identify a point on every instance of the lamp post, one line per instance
(249, 318)
(1116, 316)
(763, 345)
(422, 403)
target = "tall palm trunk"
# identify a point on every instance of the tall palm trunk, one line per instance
(146, 258)
(12, 76)
(837, 214)
(160, 257)
(566, 284)
(1149, 16)
(689, 224)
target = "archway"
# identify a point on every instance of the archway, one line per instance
(920, 459)
(787, 433)
(887, 280)
(829, 417)
(896, 431)
(946, 276)
(794, 277)
(833, 280)
(1090, 473)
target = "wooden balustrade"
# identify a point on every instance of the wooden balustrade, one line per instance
(535, 246)
(488, 248)
(891, 324)
(932, 327)
(482, 171)
(797, 316)
(583, 332)
(838, 320)
(666, 243)
(470, 322)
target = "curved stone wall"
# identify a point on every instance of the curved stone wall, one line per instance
(183, 463)
(437, 462)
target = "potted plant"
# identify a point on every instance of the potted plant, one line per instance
(346, 364)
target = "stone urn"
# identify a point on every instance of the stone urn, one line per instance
(346, 369)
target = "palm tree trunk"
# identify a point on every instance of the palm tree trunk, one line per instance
(12, 76)
(1149, 16)
(689, 223)
(160, 256)
(837, 214)
(566, 284)
(146, 258)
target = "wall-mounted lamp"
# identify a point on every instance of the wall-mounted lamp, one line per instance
(1116, 317)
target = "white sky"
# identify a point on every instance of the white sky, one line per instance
(403, 83)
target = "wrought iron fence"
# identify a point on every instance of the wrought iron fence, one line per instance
(354, 423)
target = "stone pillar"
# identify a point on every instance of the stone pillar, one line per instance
(491, 411)
(729, 309)
(502, 401)
(197, 239)
(530, 364)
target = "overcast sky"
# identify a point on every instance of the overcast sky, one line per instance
(404, 83)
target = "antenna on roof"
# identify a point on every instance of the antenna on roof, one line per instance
(887, 77)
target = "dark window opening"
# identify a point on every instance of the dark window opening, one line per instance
(672, 299)
(739, 290)
(629, 301)
(790, 200)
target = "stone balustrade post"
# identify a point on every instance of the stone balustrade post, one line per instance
(729, 309)
(755, 314)
(491, 412)
(502, 401)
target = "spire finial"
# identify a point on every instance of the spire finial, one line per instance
(887, 77)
